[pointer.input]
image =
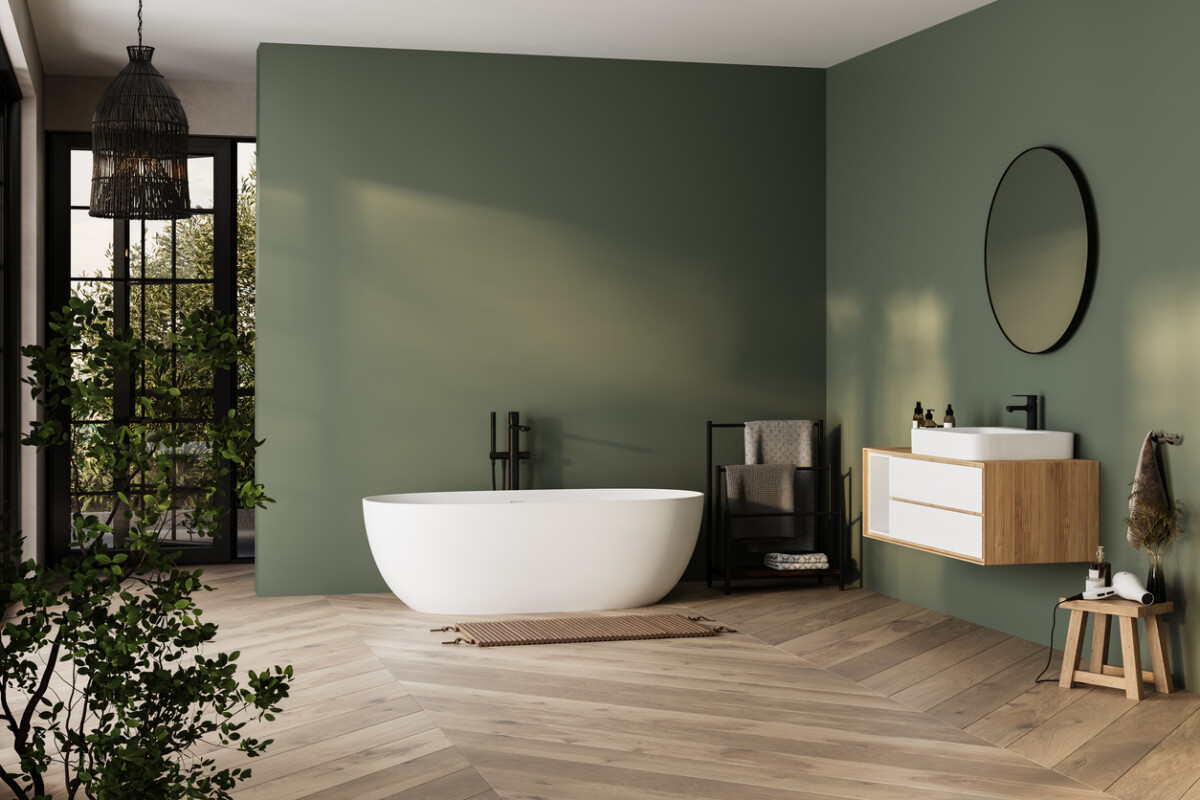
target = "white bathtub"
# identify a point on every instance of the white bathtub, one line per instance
(536, 550)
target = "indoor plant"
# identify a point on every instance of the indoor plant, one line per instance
(1154, 523)
(101, 655)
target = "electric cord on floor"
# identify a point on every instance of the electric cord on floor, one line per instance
(1050, 655)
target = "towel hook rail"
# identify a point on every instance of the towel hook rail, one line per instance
(1168, 438)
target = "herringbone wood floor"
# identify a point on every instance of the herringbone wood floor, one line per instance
(821, 694)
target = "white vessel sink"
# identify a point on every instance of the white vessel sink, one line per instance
(993, 444)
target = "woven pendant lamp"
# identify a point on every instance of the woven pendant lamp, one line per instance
(139, 144)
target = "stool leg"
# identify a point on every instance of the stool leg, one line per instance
(1071, 651)
(1132, 659)
(1100, 628)
(1160, 659)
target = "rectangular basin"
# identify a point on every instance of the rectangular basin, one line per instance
(993, 444)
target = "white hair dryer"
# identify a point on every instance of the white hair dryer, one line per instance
(1128, 586)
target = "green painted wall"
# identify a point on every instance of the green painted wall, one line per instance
(919, 134)
(618, 250)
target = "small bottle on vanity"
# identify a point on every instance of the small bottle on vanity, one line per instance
(948, 422)
(918, 415)
(929, 423)
(1100, 569)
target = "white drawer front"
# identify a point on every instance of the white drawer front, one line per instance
(950, 485)
(952, 531)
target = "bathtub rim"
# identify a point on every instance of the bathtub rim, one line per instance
(503, 497)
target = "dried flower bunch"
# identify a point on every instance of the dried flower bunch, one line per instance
(1153, 522)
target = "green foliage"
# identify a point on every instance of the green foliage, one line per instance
(117, 619)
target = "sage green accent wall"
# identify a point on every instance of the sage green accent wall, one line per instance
(618, 250)
(919, 133)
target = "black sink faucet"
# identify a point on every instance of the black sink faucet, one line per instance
(1030, 409)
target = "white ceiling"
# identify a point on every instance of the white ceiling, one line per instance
(217, 39)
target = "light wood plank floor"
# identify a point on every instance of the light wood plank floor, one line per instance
(820, 694)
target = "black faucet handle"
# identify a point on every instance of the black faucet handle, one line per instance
(1033, 397)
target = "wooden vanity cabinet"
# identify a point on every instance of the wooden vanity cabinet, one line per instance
(984, 512)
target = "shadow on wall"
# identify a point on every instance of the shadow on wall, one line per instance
(548, 445)
(852, 569)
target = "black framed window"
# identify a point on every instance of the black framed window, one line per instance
(154, 273)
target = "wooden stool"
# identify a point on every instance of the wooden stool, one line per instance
(1130, 676)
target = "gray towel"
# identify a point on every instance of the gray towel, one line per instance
(760, 488)
(788, 441)
(1147, 485)
(796, 558)
(784, 561)
(780, 441)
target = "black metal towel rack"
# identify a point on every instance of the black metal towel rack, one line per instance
(716, 521)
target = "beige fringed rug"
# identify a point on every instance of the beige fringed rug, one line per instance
(568, 630)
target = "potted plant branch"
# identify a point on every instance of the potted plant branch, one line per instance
(1154, 523)
(104, 676)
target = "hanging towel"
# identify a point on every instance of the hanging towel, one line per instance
(780, 441)
(760, 488)
(1147, 484)
(788, 441)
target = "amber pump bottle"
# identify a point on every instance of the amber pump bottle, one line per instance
(948, 422)
(918, 415)
(1100, 569)
(929, 423)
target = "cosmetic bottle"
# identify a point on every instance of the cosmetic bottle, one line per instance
(929, 423)
(918, 415)
(1100, 569)
(948, 422)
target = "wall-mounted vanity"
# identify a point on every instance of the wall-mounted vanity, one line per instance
(985, 512)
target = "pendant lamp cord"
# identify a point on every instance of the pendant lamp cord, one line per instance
(139, 23)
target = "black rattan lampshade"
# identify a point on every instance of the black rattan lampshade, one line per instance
(139, 146)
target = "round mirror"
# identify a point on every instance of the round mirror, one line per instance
(1039, 251)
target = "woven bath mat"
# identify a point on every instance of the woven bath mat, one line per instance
(567, 630)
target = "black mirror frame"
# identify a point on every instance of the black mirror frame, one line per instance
(1093, 248)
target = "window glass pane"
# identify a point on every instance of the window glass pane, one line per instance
(192, 468)
(247, 160)
(155, 238)
(91, 245)
(81, 178)
(200, 181)
(101, 505)
(191, 297)
(150, 310)
(194, 247)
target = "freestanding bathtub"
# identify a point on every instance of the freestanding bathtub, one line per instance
(535, 550)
